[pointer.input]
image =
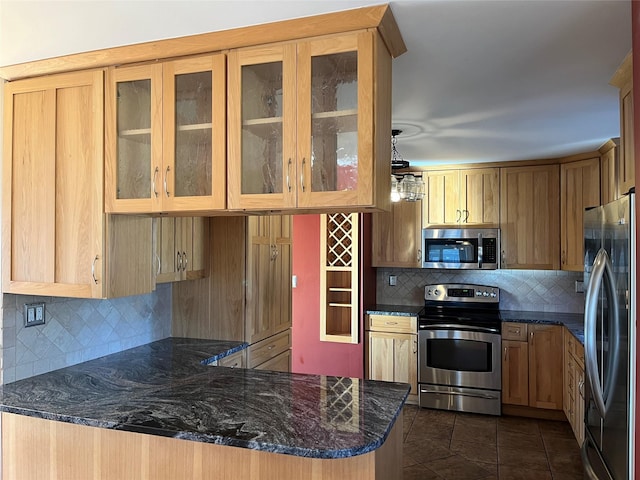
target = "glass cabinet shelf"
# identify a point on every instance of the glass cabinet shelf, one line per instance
(133, 132)
(195, 126)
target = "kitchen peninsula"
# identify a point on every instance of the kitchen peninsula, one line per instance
(160, 411)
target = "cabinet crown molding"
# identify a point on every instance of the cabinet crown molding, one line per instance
(379, 17)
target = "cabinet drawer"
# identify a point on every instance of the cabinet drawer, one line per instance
(235, 360)
(514, 331)
(392, 323)
(268, 348)
(574, 347)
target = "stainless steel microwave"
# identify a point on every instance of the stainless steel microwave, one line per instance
(461, 248)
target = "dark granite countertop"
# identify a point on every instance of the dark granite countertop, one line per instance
(573, 321)
(400, 310)
(166, 388)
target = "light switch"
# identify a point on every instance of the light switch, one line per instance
(294, 281)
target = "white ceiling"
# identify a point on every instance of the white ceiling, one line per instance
(481, 81)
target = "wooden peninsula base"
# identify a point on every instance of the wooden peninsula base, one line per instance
(37, 449)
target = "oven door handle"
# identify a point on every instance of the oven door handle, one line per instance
(479, 250)
(456, 326)
(459, 394)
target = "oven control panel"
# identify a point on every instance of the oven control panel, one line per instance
(456, 292)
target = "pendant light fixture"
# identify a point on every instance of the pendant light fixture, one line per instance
(407, 186)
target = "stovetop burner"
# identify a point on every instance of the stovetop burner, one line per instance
(461, 305)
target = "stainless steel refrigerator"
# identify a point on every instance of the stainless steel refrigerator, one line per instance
(610, 333)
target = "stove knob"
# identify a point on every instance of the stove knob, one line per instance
(436, 292)
(478, 293)
(493, 295)
(485, 294)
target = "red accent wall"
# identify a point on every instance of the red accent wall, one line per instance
(309, 354)
(635, 32)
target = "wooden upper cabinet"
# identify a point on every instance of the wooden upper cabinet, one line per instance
(608, 161)
(165, 136)
(180, 248)
(625, 171)
(57, 240)
(302, 122)
(462, 197)
(397, 236)
(579, 189)
(529, 219)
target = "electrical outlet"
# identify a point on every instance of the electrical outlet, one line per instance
(33, 314)
(579, 286)
(393, 280)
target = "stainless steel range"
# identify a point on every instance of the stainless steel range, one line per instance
(459, 364)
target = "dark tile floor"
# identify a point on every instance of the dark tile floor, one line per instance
(462, 446)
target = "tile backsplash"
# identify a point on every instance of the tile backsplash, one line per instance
(77, 330)
(529, 290)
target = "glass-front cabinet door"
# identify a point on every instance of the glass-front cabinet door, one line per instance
(335, 120)
(262, 163)
(133, 138)
(166, 137)
(301, 124)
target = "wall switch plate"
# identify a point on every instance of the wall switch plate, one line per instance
(294, 281)
(579, 286)
(33, 314)
(393, 280)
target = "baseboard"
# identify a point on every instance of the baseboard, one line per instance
(540, 413)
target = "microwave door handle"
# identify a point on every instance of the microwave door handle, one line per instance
(590, 320)
(479, 250)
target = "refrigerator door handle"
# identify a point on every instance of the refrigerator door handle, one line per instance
(602, 271)
(589, 472)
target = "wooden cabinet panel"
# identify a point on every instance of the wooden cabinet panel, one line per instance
(545, 366)
(462, 197)
(532, 372)
(235, 360)
(279, 363)
(579, 189)
(443, 198)
(625, 166)
(397, 236)
(608, 161)
(392, 350)
(269, 348)
(180, 248)
(480, 192)
(268, 290)
(515, 372)
(57, 240)
(573, 388)
(529, 219)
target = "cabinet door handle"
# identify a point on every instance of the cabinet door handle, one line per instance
(458, 215)
(289, 176)
(564, 257)
(155, 176)
(504, 260)
(185, 261)
(302, 175)
(159, 264)
(166, 174)
(466, 216)
(419, 257)
(93, 269)
(178, 262)
(415, 346)
(505, 354)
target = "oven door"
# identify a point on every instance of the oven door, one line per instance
(459, 358)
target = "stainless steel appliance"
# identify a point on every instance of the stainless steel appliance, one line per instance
(610, 347)
(461, 248)
(459, 364)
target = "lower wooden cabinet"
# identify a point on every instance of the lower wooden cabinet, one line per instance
(532, 365)
(392, 350)
(573, 398)
(273, 353)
